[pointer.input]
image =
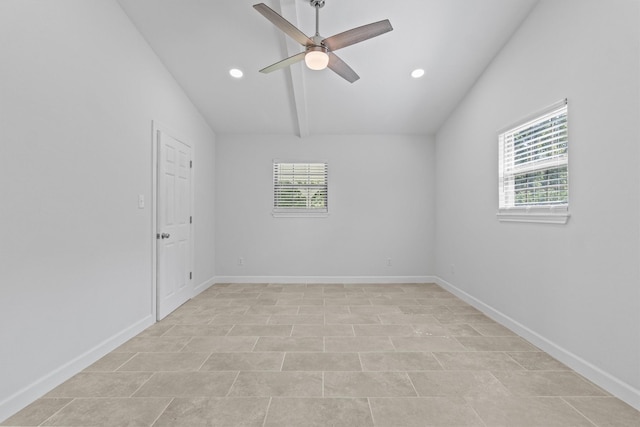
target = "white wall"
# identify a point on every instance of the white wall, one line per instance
(79, 90)
(381, 203)
(573, 289)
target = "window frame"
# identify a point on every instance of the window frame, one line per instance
(550, 213)
(293, 212)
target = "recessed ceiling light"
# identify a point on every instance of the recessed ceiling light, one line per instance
(236, 73)
(416, 74)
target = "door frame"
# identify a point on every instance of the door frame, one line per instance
(156, 128)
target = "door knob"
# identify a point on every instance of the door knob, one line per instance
(165, 235)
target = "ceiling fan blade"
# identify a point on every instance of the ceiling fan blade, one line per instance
(284, 25)
(357, 35)
(341, 68)
(284, 63)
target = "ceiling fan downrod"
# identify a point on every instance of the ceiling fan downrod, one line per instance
(317, 4)
(317, 50)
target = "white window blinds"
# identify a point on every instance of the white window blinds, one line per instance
(300, 187)
(533, 161)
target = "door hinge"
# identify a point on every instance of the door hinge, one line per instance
(191, 163)
(190, 275)
(190, 220)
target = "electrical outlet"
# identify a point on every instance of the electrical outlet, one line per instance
(388, 262)
(240, 261)
(453, 269)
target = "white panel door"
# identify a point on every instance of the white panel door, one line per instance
(174, 277)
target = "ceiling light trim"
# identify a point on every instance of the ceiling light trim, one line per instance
(236, 73)
(417, 73)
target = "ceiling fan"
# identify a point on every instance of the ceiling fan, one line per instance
(318, 53)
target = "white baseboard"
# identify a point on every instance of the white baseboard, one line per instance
(325, 279)
(608, 382)
(203, 286)
(30, 393)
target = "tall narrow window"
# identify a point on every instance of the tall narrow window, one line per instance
(533, 175)
(300, 188)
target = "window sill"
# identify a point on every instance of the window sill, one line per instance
(300, 214)
(549, 215)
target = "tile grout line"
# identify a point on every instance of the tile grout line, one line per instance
(395, 349)
(373, 421)
(466, 401)
(577, 410)
(163, 411)
(153, 373)
(232, 384)
(266, 413)
(119, 366)
(58, 411)
(229, 331)
(203, 362)
(433, 354)
(167, 331)
(182, 348)
(211, 320)
(255, 344)
(412, 384)
(518, 363)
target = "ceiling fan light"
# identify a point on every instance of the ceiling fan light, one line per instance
(316, 59)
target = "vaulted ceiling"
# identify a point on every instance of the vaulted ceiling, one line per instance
(199, 41)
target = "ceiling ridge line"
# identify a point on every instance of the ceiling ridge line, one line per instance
(289, 11)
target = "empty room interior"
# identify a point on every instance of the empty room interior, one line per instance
(440, 226)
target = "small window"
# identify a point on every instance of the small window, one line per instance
(300, 189)
(533, 175)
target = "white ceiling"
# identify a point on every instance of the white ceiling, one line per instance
(452, 40)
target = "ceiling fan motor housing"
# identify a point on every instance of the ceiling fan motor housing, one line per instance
(317, 3)
(317, 48)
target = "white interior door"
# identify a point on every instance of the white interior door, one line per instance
(174, 277)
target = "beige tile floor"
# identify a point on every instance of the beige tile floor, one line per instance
(327, 355)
